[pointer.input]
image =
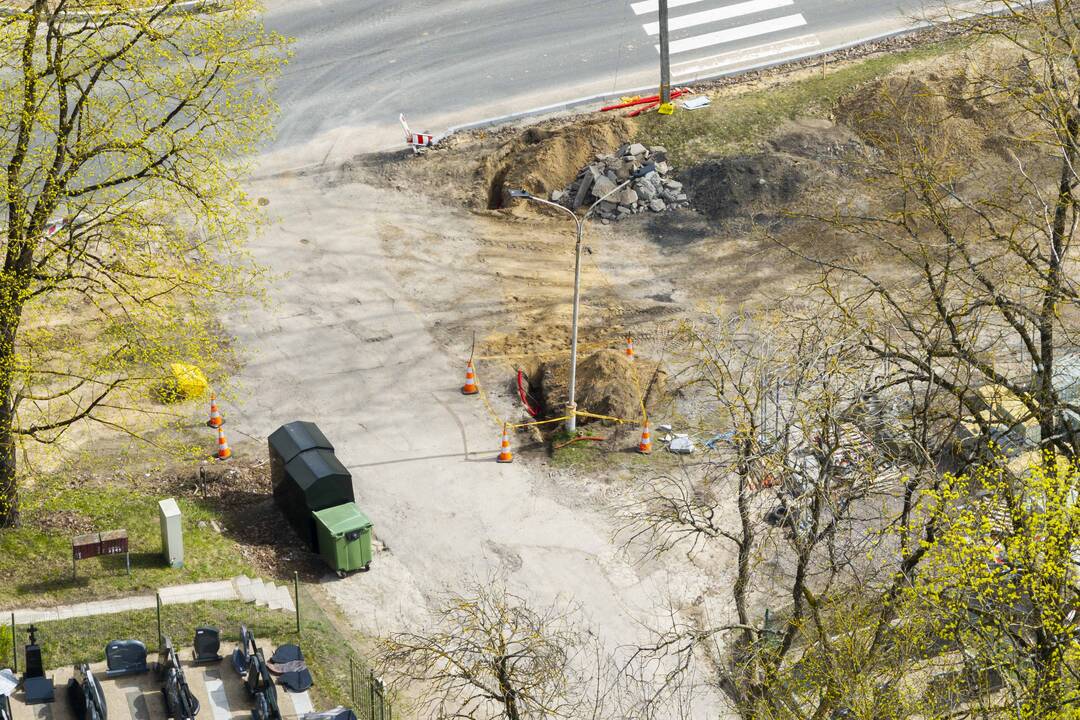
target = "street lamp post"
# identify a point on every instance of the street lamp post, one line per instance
(665, 62)
(579, 221)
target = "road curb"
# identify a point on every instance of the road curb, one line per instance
(579, 103)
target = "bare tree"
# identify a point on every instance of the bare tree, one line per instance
(491, 655)
(797, 488)
(971, 309)
(973, 294)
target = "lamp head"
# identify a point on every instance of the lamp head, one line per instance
(525, 194)
(644, 170)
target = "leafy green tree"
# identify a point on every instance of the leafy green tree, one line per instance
(123, 132)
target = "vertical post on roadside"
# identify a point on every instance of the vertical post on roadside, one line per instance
(371, 691)
(14, 647)
(352, 683)
(159, 635)
(665, 63)
(296, 595)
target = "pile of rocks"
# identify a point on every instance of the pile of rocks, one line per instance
(652, 191)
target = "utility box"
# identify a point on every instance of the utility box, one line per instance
(287, 442)
(172, 533)
(306, 476)
(344, 535)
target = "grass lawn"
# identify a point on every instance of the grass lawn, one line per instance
(585, 456)
(35, 560)
(735, 122)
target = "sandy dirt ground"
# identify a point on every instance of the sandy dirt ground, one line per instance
(385, 283)
(366, 335)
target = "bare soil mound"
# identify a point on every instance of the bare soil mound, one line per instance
(607, 384)
(897, 113)
(541, 160)
(818, 140)
(740, 185)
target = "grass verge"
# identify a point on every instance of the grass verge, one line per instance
(35, 560)
(587, 456)
(735, 122)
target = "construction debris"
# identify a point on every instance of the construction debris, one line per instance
(681, 444)
(600, 179)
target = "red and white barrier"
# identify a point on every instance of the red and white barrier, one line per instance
(417, 140)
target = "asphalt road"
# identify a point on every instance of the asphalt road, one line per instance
(358, 63)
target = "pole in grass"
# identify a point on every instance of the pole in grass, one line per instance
(352, 681)
(371, 691)
(159, 636)
(14, 647)
(296, 595)
(665, 62)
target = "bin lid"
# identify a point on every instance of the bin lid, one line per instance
(321, 477)
(294, 438)
(343, 518)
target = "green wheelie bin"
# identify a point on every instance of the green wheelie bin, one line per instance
(344, 533)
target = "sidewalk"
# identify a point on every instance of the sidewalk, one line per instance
(243, 588)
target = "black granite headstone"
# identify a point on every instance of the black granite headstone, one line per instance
(125, 657)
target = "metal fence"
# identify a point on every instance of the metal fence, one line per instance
(368, 693)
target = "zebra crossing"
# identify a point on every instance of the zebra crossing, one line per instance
(701, 26)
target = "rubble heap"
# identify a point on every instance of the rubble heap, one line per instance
(652, 191)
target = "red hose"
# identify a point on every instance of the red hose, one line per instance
(643, 101)
(646, 108)
(524, 396)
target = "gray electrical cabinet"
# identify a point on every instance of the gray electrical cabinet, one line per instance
(172, 533)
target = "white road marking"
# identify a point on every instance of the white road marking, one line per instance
(738, 33)
(648, 6)
(702, 66)
(716, 14)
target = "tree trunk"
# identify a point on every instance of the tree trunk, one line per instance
(506, 689)
(18, 259)
(11, 307)
(1048, 314)
(9, 487)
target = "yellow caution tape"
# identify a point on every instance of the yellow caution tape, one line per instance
(583, 413)
(539, 422)
(503, 423)
(540, 353)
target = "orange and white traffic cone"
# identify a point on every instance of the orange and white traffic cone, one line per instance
(505, 455)
(470, 387)
(629, 348)
(215, 420)
(645, 446)
(223, 451)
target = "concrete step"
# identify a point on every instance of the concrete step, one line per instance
(281, 599)
(253, 590)
(216, 590)
(245, 587)
(263, 593)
